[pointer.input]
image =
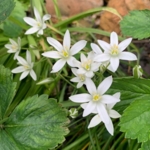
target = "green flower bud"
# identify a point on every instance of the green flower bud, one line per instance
(73, 112)
(137, 71)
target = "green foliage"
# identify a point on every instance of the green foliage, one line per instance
(6, 7)
(145, 146)
(135, 120)
(136, 24)
(37, 123)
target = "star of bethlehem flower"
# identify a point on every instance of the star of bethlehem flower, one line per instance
(87, 66)
(26, 67)
(111, 112)
(38, 24)
(113, 52)
(96, 99)
(14, 47)
(80, 78)
(64, 53)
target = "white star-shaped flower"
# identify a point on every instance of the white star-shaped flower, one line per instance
(111, 112)
(26, 67)
(64, 53)
(113, 52)
(38, 24)
(87, 66)
(14, 47)
(96, 99)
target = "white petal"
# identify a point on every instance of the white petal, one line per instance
(13, 42)
(18, 69)
(105, 85)
(78, 47)
(114, 61)
(30, 21)
(71, 61)
(55, 43)
(28, 56)
(91, 106)
(95, 121)
(80, 98)
(75, 79)
(117, 95)
(80, 84)
(91, 87)
(89, 74)
(37, 15)
(84, 105)
(108, 99)
(46, 17)
(81, 71)
(58, 65)
(103, 113)
(74, 70)
(106, 47)
(123, 45)
(66, 41)
(96, 48)
(33, 75)
(102, 57)
(83, 57)
(51, 54)
(113, 39)
(40, 32)
(114, 114)
(127, 56)
(22, 60)
(24, 74)
(32, 30)
(110, 128)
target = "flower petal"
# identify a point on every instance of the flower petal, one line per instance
(55, 43)
(58, 65)
(28, 56)
(80, 98)
(30, 21)
(110, 128)
(66, 41)
(91, 87)
(114, 62)
(95, 121)
(127, 56)
(78, 47)
(91, 106)
(74, 70)
(18, 69)
(123, 45)
(96, 48)
(71, 61)
(83, 57)
(103, 113)
(37, 15)
(106, 47)
(89, 74)
(22, 61)
(102, 57)
(24, 74)
(33, 75)
(75, 79)
(105, 85)
(113, 39)
(108, 99)
(80, 84)
(32, 30)
(114, 114)
(46, 17)
(51, 54)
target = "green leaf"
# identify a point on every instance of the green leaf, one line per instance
(7, 90)
(135, 121)
(6, 7)
(145, 146)
(37, 123)
(136, 24)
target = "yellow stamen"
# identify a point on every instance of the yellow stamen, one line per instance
(87, 65)
(114, 50)
(96, 97)
(82, 77)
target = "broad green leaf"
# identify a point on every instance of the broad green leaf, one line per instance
(7, 90)
(37, 123)
(6, 7)
(135, 121)
(136, 24)
(145, 146)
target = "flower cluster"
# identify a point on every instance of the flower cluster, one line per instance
(95, 100)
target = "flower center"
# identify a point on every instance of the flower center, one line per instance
(82, 77)
(87, 65)
(27, 67)
(114, 50)
(14, 47)
(38, 24)
(96, 97)
(65, 53)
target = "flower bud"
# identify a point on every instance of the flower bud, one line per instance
(73, 112)
(137, 71)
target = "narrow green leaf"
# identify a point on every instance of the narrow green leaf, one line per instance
(37, 123)
(7, 90)
(136, 24)
(6, 7)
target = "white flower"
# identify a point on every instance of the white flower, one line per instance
(96, 98)
(87, 66)
(64, 53)
(114, 51)
(14, 47)
(112, 113)
(26, 67)
(38, 24)
(80, 78)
